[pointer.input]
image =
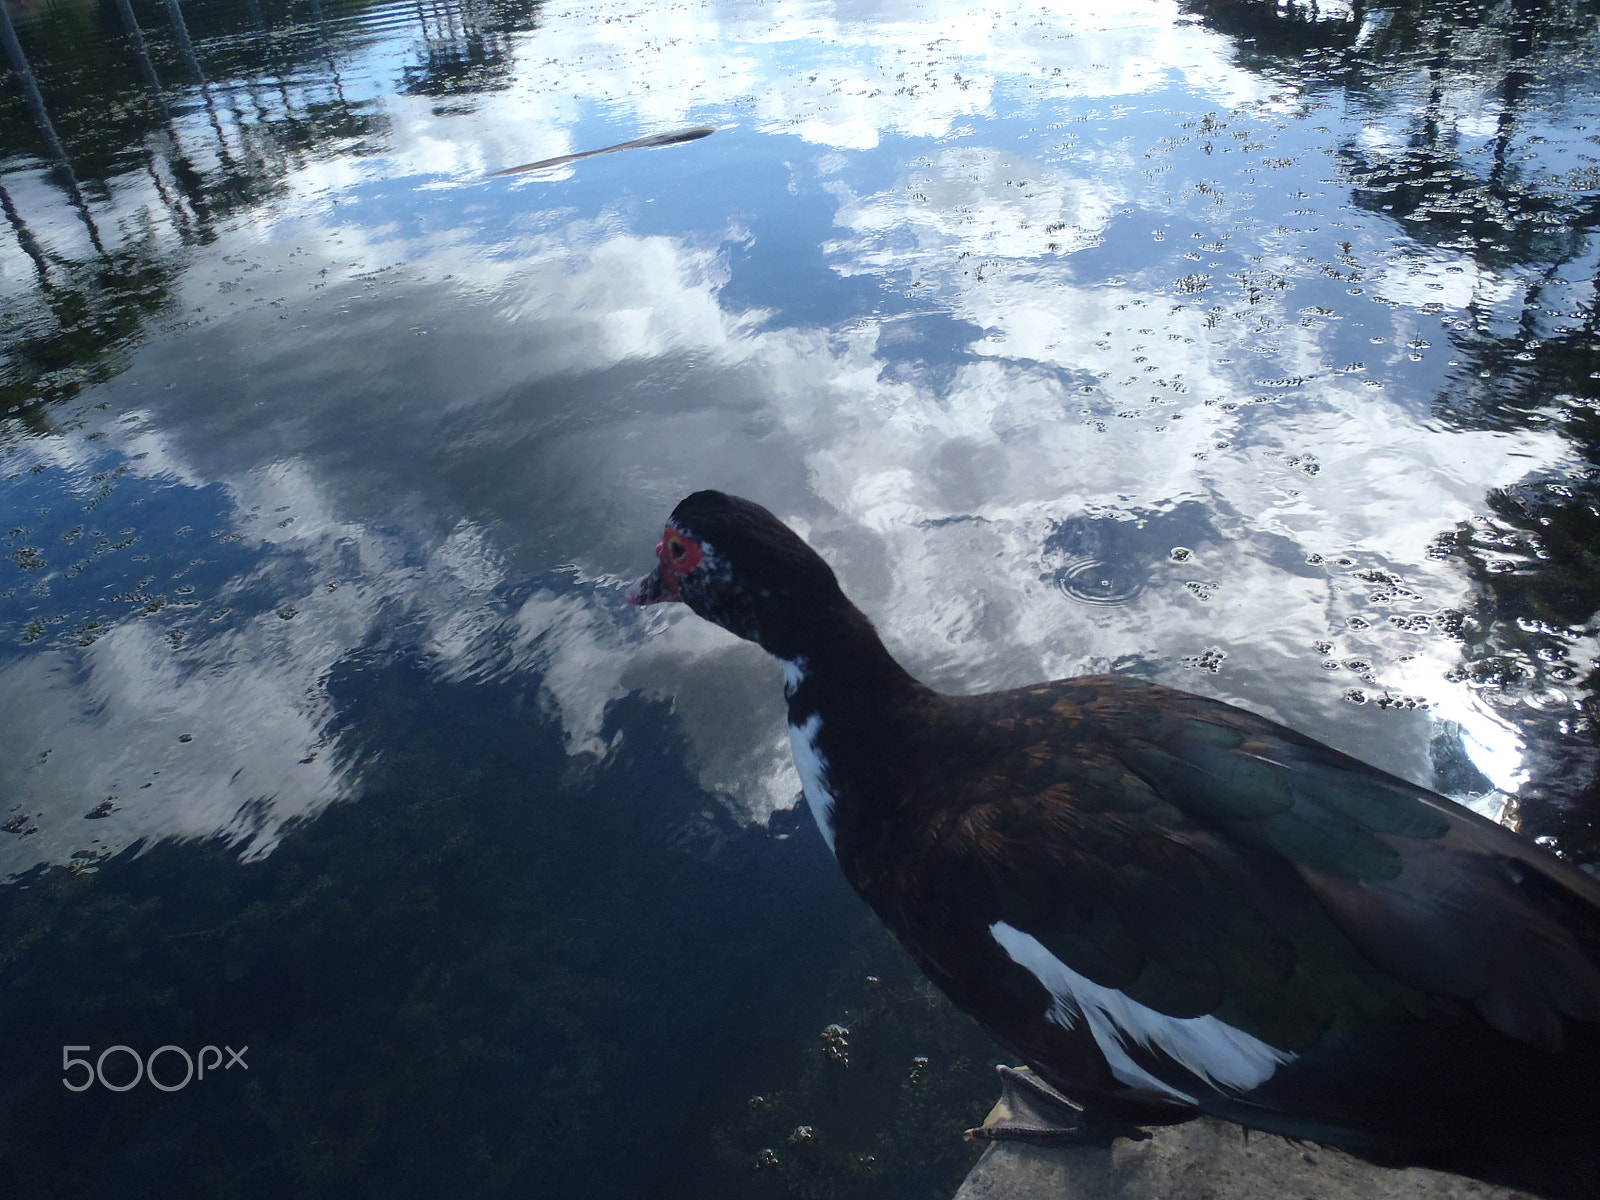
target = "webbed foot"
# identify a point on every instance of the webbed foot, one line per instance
(1030, 1110)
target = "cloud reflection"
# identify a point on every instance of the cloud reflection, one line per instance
(489, 396)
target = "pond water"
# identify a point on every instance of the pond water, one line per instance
(1252, 348)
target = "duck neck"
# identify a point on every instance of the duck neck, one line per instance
(842, 666)
(854, 715)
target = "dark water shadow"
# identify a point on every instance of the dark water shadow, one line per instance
(496, 972)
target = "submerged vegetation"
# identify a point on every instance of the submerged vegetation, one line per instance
(491, 974)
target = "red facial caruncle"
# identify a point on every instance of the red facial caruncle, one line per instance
(679, 554)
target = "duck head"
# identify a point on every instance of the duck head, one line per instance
(737, 565)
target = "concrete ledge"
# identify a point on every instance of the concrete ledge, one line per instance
(1205, 1160)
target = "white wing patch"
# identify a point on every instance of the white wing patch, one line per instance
(1209, 1049)
(813, 768)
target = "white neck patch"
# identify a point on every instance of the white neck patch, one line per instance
(813, 768)
(808, 759)
(1207, 1048)
(794, 673)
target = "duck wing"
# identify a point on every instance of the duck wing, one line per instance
(1432, 894)
(1217, 896)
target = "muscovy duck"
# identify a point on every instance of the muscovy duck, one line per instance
(1167, 905)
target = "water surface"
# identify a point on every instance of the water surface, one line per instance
(1250, 349)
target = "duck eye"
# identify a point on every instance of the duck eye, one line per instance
(678, 553)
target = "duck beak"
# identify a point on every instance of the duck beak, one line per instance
(658, 587)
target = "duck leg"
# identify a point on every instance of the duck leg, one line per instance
(1030, 1110)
